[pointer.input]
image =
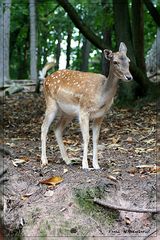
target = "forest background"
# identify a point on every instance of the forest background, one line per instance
(75, 34)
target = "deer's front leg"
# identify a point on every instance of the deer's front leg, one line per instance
(84, 124)
(49, 117)
(96, 130)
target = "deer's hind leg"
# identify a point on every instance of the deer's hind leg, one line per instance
(61, 125)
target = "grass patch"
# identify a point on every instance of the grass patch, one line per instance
(85, 197)
(42, 233)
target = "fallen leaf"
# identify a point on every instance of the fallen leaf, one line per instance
(150, 150)
(150, 141)
(24, 198)
(140, 150)
(149, 168)
(25, 158)
(132, 170)
(65, 170)
(11, 144)
(146, 166)
(115, 140)
(129, 139)
(70, 142)
(113, 145)
(73, 149)
(18, 161)
(111, 177)
(105, 130)
(122, 149)
(52, 181)
(116, 171)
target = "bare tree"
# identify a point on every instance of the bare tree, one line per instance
(6, 33)
(33, 41)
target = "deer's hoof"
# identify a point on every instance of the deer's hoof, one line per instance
(85, 167)
(96, 167)
(44, 163)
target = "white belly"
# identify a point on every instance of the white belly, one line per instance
(69, 109)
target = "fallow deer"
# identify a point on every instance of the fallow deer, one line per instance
(85, 95)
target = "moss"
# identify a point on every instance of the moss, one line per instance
(48, 226)
(64, 229)
(85, 199)
(42, 233)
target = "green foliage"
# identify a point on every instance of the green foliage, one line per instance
(53, 23)
(19, 40)
(150, 30)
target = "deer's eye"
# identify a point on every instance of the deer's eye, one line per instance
(115, 62)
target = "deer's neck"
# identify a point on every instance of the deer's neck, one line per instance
(110, 86)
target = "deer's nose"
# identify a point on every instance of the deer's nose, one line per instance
(129, 77)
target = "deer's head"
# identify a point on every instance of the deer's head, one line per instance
(119, 62)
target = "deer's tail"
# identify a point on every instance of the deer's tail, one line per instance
(44, 70)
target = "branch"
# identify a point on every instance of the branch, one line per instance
(154, 231)
(97, 41)
(52, 11)
(79, 23)
(153, 11)
(108, 205)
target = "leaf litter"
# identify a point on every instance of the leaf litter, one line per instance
(127, 158)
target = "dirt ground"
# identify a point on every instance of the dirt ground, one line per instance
(32, 210)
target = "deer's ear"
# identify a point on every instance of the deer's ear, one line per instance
(108, 54)
(122, 47)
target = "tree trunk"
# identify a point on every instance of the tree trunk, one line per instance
(85, 55)
(7, 13)
(124, 34)
(68, 53)
(77, 63)
(138, 33)
(33, 41)
(1, 46)
(107, 37)
(122, 26)
(123, 31)
(58, 51)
